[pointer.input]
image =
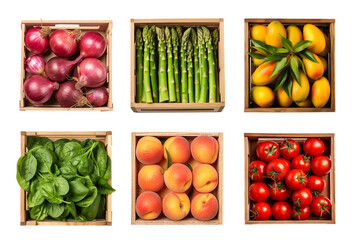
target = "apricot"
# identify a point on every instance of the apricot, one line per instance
(300, 92)
(205, 149)
(283, 99)
(258, 32)
(204, 206)
(148, 205)
(263, 96)
(314, 70)
(262, 75)
(294, 34)
(176, 206)
(150, 178)
(327, 47)
(149, 150)
(314, 34)
(178, 148)
(273, 32)
(178, 177)
(205, 178)
(320, 92)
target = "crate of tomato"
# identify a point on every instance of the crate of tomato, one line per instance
(289, 178)
(66, 65)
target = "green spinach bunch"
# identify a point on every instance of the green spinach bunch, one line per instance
(65, 179)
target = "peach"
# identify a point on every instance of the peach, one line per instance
(176, 206)
(149, 150)
(150, 178)
(205, 178)
(148, 205)
(204, 206)
(205, 149)
(178, 177)
(178, 148)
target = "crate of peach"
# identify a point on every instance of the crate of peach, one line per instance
(66, 65)
(290, 65)
(177, 178)
(289, 178)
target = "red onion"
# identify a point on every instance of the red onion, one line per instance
(35, 65)
(63, 42)
(97, 96)
(69, 96)
(91, 45)
(39, 89)
(91, 73)
(36, 39)
(58, 69)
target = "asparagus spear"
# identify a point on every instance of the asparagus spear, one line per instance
(215, 37)
(194, 38)
(183, 54)
(153, 67)
(146, 65)
(190, 71)
(170, 72)
(203, 67)
(139, 66)
(162, 66)
(175, 42)
(212, 82)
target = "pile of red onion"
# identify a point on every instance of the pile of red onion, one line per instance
(81, 80)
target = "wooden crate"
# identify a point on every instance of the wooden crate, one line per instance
(106, 138)
(179, 107)
(136, 190)
(104, 27)
(328, 26)
(251, 142)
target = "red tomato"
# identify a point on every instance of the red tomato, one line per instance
(287, 162)
(258, 192)
(301, 213)
(257, 170)
(289, 148)
(281, 210)
(316, 184)
(302, 198)
(321, 165)
(301, 161)
(261, 211)
(277, 169)
(267, 151)
(314, 147)
(296, 179)
(321, 206)
(279, 191)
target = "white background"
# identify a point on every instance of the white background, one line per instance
(233, 122)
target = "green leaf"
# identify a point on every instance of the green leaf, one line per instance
(294, 70)
(301, 64)
(262, 50)
(271, 49)
(28, 167)
(272, 58)
(288, 87)
(300, 46)
(55, 210)
(61, 185)
(256, 55)
(25, 185)
(308, 55)
(286, 43)
(281, 79)
(190, 167)
(169, 159)
(282, 50)
(72, 210)
(279, 66)
(259, 44)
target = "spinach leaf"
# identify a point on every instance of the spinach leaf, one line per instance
(35, 198)
(69, 172)
(87, 142)
(78, 190)
(108, 170)
(55, 210)
(89, 213)
(85, 166)
(28, 167)
(104, 187)
(61, 185)
(33, 142)
(25, 185)
(89, 199)
(49, 193)
(69, 151)
(59, 144)
(44, 159)
(101, 159)
(39, 213)
(101, 209)
(72, 210)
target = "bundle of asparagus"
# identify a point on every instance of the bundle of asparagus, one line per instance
(186, 61)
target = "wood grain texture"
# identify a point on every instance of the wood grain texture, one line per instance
(251, 141)
(326, 23)
(179, 107)
(103, 136)
(135, 189)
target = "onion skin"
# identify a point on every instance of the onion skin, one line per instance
(91, 45)
(35, 65)
(63, 43)
(39, 89)
(91, 73)
(36, 40)
(58, 69)
(97, 96)
(68, 96)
